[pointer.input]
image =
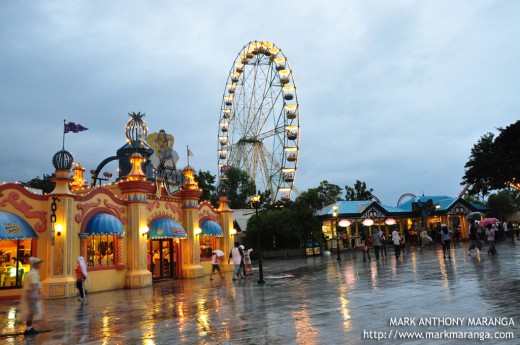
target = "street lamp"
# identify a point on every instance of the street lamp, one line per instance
(335, 215)
(255, 202)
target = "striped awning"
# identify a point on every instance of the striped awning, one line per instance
(104, 224)
(14, 227)
(211, 228)
(166, 228)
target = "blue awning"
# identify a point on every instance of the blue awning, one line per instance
(104, 224)
(166, 228)
(211, 228)
(13, 227)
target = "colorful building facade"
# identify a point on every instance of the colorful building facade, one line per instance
(354, 218)
(130, 232)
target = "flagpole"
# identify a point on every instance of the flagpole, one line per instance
(64, 133)
(188, 154)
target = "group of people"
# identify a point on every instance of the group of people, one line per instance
(241, 258)
(377, 241)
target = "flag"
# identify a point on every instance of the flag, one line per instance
(74, 128)
(190, 154)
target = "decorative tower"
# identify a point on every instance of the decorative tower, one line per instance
(79, 182)
(226, 216)
(135, 189)
(136, 131)
(60, 282)
(190, 194)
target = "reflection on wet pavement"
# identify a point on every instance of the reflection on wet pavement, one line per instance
(314, 300)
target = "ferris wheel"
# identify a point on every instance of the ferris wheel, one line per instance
(259, 125)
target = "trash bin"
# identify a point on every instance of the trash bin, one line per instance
(308, 249)
(316, 248)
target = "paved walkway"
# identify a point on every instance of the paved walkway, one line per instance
(305, 301)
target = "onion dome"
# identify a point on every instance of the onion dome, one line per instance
(222, 189)
(62, 160)
(136, 129)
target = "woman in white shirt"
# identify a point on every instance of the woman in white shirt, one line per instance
(397, 243)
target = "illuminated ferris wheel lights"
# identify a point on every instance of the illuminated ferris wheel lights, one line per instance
(249, 52)
(222, 154)
(285, 194)
(224, 126)
(226, 113)
(284, 76)
(292, 132)
(244, 58)
(231, 88)
(222, 140)
(228, 100)
(239, 67)
(288, 92)
(291, 153)
(235, 76)
(290, 111)
(279, 63)
(288, 174)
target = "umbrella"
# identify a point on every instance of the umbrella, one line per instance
(219, 252)
(475, 216)
(487, 221)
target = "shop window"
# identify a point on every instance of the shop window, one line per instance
(207, 245)
(100, 249)
(14, 262)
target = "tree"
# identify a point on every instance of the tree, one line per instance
(328, 193)
(206, 182)
(493, 163)
(45, 183)
(481, 166)
(359, 192)
(241, 187)
(502, 203)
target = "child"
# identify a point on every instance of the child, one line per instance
(215, 265)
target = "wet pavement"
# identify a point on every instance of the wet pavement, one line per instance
(315, 300)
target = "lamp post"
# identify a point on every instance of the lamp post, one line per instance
(255, 201)
(335, 216)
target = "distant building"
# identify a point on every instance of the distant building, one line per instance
(364, 216)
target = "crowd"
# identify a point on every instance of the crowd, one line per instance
(479, 235)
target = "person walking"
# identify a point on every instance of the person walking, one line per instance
(473, 237)
(247, 261)
(403, 242)
(215, 266)
(376, 241)
(383, 239)
(511, 231)
(490, 234)
(396, 239)
(81, 276)
(236, 256)
(31, 301)
(242, 249)
(366, 242)
(445, 239)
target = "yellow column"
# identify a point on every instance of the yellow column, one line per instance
(135, 192)
(135, 189)
(59, 279)
(226, 222)
(191, 267)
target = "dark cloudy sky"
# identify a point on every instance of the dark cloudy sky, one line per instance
(393, 93)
